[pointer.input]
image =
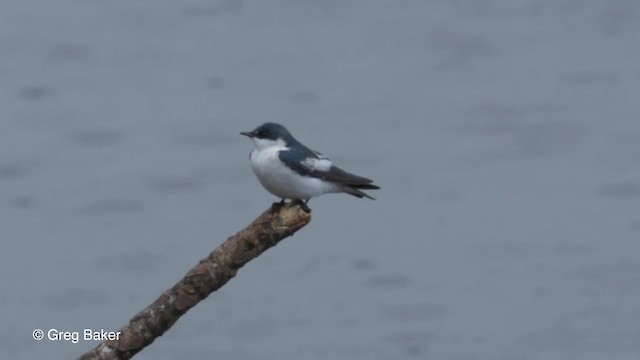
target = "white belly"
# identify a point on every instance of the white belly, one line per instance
(284, 182)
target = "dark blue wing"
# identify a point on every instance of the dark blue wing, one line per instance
(311, 163)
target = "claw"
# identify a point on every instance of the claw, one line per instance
(303, 205)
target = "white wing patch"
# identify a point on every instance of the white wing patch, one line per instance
(322, 163)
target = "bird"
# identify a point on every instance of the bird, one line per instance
(290, 170)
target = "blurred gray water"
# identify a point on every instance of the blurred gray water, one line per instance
(504, 133)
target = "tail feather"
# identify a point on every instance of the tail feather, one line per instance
(351, 190)
(365, 186)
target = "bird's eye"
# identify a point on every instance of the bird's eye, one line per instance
(263, 134)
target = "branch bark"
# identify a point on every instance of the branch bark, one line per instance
(210, 274)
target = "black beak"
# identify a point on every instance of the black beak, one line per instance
(247, 133)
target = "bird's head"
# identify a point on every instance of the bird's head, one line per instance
(268, 135)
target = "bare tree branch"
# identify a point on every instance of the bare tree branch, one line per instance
(210, 274)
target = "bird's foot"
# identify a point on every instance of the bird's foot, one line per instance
(303, 205)
(276, 206)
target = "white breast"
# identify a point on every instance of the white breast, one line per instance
(283, 182)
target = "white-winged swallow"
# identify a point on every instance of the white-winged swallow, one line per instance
(290, 170)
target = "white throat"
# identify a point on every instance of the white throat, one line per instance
(264, 144)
